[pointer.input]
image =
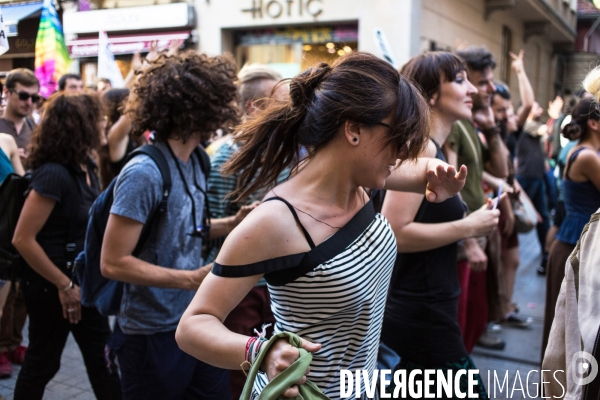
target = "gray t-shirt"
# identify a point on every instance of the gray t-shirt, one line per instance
(145, 309)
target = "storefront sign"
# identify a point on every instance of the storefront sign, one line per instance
(127, 19)
(123, 44)
(276, 8)
(313, 35)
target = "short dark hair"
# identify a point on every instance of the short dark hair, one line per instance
(180, 95)
(24, 76)
(62, 82)
(113, 101)
(105, 80)
(430, 69)
(477, 58)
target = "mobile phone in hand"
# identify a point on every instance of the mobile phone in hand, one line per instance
(498, 197)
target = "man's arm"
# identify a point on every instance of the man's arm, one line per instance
(220, 227)
(525, 89)
(496, 164)
(118, 263)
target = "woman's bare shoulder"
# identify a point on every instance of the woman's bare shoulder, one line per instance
(269, 231)
(7, 141)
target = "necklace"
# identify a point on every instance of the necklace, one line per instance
(304, 212)
(318, 220)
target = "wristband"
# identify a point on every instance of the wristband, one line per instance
(490, 131)
(69, 287)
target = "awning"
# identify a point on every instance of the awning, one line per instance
(126, 44)
(12, 14)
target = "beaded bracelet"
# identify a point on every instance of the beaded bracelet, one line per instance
(254, 344)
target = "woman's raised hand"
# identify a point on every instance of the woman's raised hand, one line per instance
(443, 182)
(280, 356)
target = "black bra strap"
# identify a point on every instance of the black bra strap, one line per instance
(293, 211)
(572, 159)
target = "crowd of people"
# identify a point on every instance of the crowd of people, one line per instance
(372, 212)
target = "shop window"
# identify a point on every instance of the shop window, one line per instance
(291, 50)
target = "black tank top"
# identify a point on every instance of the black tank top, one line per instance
(420, 318)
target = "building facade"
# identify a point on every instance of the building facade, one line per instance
(545, 29)
(21, 21)
(293, 34)
(586, 54)
(129, 30)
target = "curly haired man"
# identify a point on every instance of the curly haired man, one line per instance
(182, 99)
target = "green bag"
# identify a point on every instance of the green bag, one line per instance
(291, 375)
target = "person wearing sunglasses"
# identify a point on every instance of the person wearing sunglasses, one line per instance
(21, 93)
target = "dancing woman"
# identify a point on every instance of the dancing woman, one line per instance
(420, 322)
(325, 253)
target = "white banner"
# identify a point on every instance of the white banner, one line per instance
(384, 46)
(3, 39)
(107, 66)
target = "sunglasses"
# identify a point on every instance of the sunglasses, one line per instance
(502, 91)
(24, 96)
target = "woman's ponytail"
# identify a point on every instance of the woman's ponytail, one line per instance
(358, 87)
(270, 140)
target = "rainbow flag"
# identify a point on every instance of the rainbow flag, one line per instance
(51, 54)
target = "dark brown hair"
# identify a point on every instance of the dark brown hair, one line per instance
(585, 110)
(358, 87)
(62, 82)
(68, 130)
(430, 69)
(477, 58)
(24, 76)
(185, 94)
(113, 101)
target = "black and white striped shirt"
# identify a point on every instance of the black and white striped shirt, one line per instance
(333, 295)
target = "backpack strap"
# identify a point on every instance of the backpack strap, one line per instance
(204, 159)
(163, 166)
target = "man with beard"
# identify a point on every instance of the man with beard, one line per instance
(477, 144)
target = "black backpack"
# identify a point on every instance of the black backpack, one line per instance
(96, 290)
(12, 198)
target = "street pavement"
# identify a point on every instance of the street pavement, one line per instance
(522, 355)
(515, 362)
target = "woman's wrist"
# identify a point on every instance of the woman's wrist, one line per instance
(65, 288)
(465, 227)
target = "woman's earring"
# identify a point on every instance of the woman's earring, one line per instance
(355, 140)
